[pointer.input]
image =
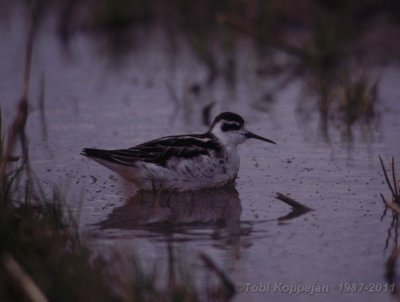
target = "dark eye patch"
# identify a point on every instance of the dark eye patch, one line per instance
(230, 126)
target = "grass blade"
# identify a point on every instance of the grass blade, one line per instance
(394, 178)
(386, 177)
(25, 281)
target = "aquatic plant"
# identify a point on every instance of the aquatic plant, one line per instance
(394, 206)
(393, 185)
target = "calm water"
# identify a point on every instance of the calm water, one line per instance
(93, 101)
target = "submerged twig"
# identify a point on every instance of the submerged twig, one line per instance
(293, 203)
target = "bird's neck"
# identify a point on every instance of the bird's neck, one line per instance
(226, 141)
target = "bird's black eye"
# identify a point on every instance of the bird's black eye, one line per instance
(229, 126)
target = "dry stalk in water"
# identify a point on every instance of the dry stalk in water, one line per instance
(17, 129)
(26, 283)
(392, 187)
(293, 203)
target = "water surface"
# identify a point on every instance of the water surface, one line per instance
(91, 101)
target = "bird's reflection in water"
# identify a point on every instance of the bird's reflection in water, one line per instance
(207, 214)
(203, 217)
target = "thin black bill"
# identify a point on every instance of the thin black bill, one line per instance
(255, 136)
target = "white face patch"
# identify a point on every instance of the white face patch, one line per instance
(229, 137)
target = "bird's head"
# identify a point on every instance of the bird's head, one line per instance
(230, 129)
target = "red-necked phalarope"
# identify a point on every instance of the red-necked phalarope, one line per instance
(183, 162)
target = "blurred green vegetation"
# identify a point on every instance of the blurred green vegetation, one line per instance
(36, 241)
(322, 41)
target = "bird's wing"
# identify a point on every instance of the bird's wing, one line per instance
(160, 150)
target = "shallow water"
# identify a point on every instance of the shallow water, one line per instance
(91, 102)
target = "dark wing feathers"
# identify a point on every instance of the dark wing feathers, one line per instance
(159, 151)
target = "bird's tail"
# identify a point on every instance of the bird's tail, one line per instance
(96, 153)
